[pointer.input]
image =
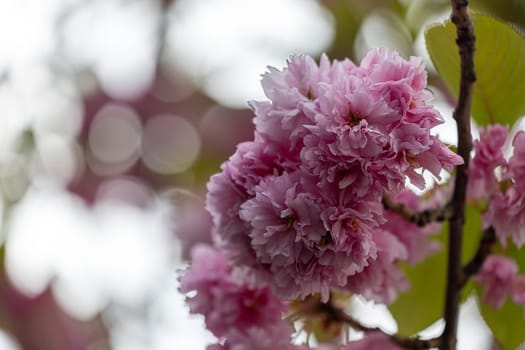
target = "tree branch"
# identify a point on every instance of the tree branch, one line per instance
(466, 43)
(421, 218)
(486, 243)
(339, 315)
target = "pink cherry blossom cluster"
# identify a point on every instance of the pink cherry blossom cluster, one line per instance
(501, 183)
(299, 207)
(244, 317)
(238, 314)
(500, 279)
(505, 193)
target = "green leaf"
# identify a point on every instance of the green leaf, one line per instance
(499, 64)
(509, 10)
(472, 233)
(423, 304)
(507, 323)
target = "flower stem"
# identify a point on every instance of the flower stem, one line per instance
(486, 244)
(421, 218)
(338, 315)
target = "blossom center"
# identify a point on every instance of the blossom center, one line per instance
(289, 220)
(354, 118)
(326, 239)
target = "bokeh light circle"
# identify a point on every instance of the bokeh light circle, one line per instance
(171, 144)
(115, 136)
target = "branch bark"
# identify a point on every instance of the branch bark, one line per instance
(484, 249)
(413, 343)
(466, 43)
(421, 218)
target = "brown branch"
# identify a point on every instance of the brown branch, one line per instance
(466, 43)
(417, 343)
(421, 218)
(414, 343)
(486, 243)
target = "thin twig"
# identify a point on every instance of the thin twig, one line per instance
(466, 43)
(338, 315)
(420, 218)
(486, 243)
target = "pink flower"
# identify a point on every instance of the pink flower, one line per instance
(415, 239)
(251, 163)
(228, 305)
(506, 211)
(507, 215)
(291, 93)
(191, 222)
(385, 68)
(381, 280)
(282, 119)
(401, 83)
(305, 249)
(327, 347)
(372, 128)
(497, 275)
(517, 161)
(488, 156)
(223, 201)
(518, 290)
(345, 147)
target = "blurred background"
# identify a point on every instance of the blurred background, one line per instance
(114, 113)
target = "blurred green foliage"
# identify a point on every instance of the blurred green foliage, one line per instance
(499, 63)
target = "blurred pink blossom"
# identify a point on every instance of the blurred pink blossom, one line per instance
(415, 239)
(229, 305)
(506, 211)
(497, 276)
(488, 156)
